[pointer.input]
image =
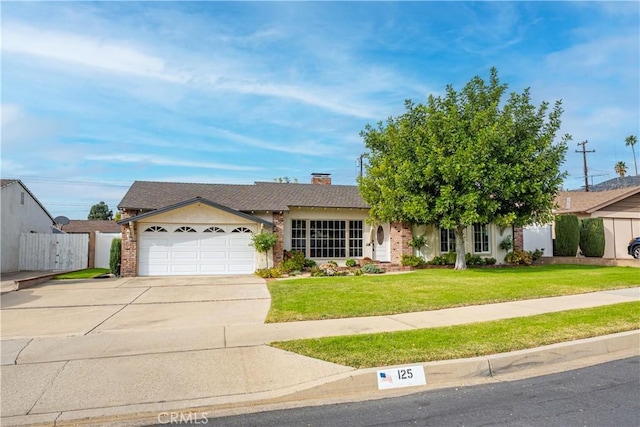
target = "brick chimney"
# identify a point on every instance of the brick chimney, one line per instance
(321, 178)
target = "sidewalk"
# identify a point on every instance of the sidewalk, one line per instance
(130, 377)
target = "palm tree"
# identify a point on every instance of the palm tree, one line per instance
(631, 140)
(621, 169)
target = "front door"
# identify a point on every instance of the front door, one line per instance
(381, 244)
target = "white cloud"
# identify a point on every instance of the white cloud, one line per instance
(85, 51)
(165, 161)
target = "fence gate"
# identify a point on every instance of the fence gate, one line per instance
(53, 252)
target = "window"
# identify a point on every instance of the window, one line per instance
(241, 230)
(155, 229)
(355, 238)
(299, 235)
(214, 230)
(447, 240)
(327, 239)
(185, 229)
(330, 239)
(22, 198)
(480, 238)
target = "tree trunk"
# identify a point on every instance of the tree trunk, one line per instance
(461, 263)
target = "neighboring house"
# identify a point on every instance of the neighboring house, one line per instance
(182, 228)
(21, 212)
(100, 233)
(619, 209)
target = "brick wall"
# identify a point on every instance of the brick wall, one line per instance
(278, 229)
(129, 257)
(518, 238)
(400, 236)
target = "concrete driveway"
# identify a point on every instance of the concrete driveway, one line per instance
(85, 307)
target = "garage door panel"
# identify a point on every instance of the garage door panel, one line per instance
(196, 253)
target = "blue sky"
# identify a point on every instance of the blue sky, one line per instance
(96, 95)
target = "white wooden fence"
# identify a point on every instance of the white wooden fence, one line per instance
(538, 237)
(53, 252)
(103, 248)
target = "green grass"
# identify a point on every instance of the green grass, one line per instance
(433, 289)
(88, 273)
(476, 339)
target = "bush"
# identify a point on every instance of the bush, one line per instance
(309, 263)
(351, 262)
(506, 244)
(474, 259)
(450, 257)
(371, 269)
(567, 230)
(592, 237)
(329, 268)
(438, 260)
(289, 265)
(490, 261)
(269, 273)
(537, 254)
(412, 260)
(115, 256)
(518, 257)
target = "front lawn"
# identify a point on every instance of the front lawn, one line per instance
(88, 273)
(433, 289)
(471, 340)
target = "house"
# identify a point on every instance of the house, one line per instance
(619, 210)
(21, 212)
(188, 229)
(100, 233)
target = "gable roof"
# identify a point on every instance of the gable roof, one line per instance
(192, 201)
(261, 196)
(7, 182)
(91, 225)
(591, 201)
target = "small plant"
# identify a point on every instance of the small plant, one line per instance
(417, 242)
(372, 269)
(115, 256)
(263, 242)
(490, 261)
(537, 254)
(450, 257)
(506, 244)
(518, 257)
(269, 273)
(309, 263)
(351, 262)
(412, 260)
(357, 272)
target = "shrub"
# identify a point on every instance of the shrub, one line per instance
(567, 230)
(438, 260)
(490, 261)
(518, 257)
(351, 262)
(289, 265)
(371, 269)
(537, 254)
(269, 273)
(309, 263)
(357, 272)
(329, 268)
(473, 259)
(115, 255)
(450, 257)
(412, 260)
(592, 237)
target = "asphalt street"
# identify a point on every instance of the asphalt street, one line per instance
(602, 395)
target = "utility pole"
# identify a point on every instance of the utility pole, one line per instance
(584, 152)
(360, 160)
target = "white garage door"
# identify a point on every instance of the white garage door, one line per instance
(168, 250)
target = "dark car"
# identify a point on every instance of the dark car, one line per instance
(634, 248)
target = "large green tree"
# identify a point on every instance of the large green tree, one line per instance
(467, 157)
(100, 211)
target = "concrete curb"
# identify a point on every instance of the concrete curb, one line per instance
(517, 364)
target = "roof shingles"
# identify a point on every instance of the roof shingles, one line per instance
(261, 196)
